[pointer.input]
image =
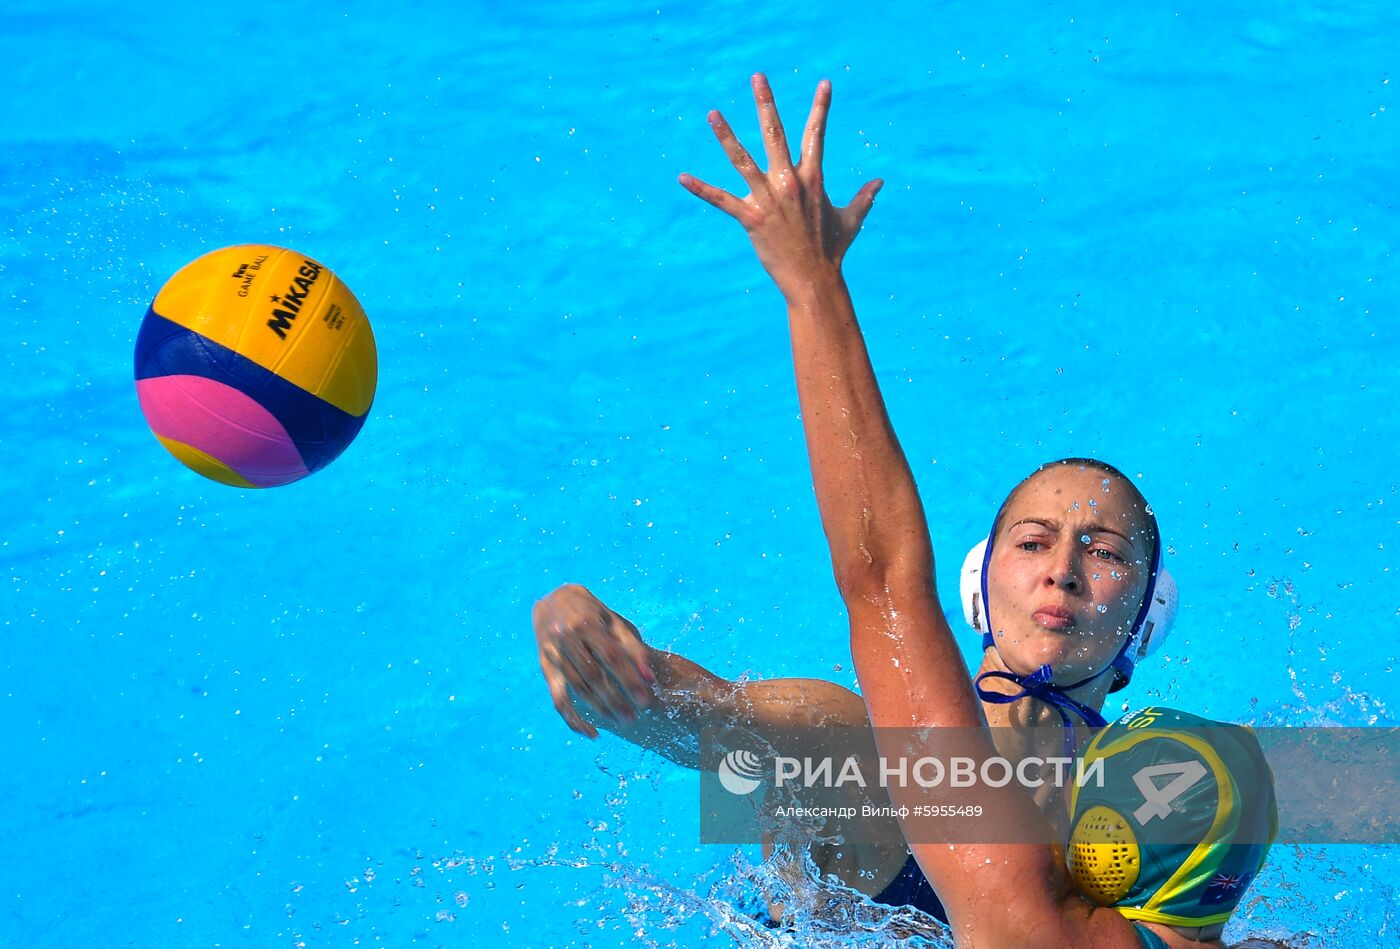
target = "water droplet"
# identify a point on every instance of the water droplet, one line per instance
(1101, 608)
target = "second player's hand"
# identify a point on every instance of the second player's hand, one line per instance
(585, 646)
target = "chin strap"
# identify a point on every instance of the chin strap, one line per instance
(1037, 685)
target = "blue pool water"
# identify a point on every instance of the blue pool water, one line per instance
(313, 715)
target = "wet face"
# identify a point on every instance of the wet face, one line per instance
(1068, 572)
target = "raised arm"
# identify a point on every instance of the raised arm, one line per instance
(870, 508)
(908, 664)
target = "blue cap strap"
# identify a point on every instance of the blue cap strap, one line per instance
(1037, 685)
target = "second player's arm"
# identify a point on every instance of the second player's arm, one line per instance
(601, 674)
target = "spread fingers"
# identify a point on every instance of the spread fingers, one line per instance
(774, 138)
(720, 198)
(814, 136)
(738, 155)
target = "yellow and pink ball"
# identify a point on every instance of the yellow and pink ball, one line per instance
(255, 366)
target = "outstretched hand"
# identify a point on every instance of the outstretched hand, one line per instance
(800, 236)
(586, 646)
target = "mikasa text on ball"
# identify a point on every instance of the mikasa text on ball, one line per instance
(255, 366)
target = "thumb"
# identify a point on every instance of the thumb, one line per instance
(626, 635)
(862, 202)
(563, 704)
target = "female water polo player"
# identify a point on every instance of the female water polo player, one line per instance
(1064, 591)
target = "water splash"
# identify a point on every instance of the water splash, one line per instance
(424, 898)
(1347, 707)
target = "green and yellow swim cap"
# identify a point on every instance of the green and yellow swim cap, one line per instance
(1179, 824)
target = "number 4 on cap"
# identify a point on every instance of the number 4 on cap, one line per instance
(1158, 800)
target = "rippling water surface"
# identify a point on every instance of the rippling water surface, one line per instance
(313, 716)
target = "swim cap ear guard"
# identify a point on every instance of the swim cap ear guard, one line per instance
(1154, 619)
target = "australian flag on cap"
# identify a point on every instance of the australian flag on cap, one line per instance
(1225, 888)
